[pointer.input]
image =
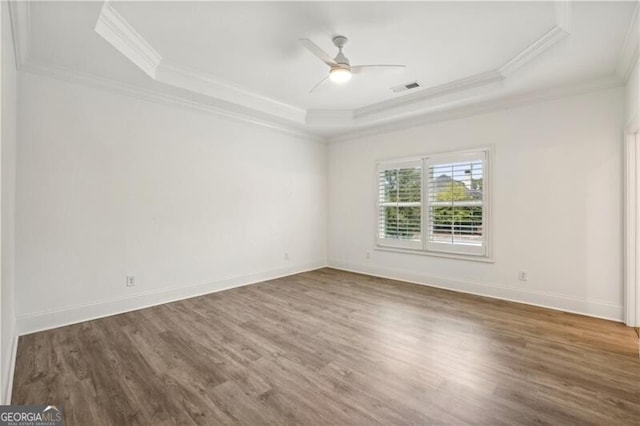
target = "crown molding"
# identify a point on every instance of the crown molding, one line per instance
(117, 31)
(559, 31)
(471, 86)
(121, 35)
(20, 17)
(480, 107)
(90, 80)
(204, 92)
(415, 100)
(199, 82)
(629, 53)
(408, 105)
(455, 112)
(563, 15)
(329, 118)
(546, 41)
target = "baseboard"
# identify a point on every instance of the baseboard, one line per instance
(41, 321)
(12, 369)
(546, 300)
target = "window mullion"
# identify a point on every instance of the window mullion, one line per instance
(398, 201)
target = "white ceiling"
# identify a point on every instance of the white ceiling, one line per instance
(246, 56)
(256, 44)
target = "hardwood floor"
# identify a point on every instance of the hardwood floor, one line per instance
(331, 347)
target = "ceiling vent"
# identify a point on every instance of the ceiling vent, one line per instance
(406, 86)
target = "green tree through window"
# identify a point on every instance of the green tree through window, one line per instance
(402, 203)
(451, 213)
(435, 204)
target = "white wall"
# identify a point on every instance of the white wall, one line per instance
(632, 183)
(109, 185)
(9, 137)
(557, 203)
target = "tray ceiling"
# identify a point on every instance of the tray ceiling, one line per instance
(245, 58)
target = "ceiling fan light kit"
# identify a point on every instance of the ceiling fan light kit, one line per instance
(339, 75)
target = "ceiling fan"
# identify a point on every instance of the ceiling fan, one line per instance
(340, 68)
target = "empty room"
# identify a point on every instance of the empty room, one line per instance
(319, 213)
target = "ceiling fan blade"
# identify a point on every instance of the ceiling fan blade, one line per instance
(319, 83)
(317, 51)
(357, 69)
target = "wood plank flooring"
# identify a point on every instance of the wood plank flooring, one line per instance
(331, 347)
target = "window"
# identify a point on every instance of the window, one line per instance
(400, 204)
(435, 204)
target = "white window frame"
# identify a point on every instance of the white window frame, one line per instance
(424, 246)
(390, 165)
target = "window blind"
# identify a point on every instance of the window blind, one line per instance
(435, 204)
(400, 204)
(455, 200)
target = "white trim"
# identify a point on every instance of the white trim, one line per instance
(329, 117)
(631, 236)
(113, 86)
(20, 16)
(41, 321)
(243, 115)
(593, 308)
(462, 85)
(465, 86)
(433, 104)
(202, 83)
(544, 43)
(117, 31)
(629, 51)
(121, 35)
(12, 370)
(563, 15)
(447, 255)
(480, 107)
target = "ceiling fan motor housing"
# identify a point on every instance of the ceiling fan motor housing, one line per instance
(339, 42)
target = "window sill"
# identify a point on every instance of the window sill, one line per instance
(471, 257)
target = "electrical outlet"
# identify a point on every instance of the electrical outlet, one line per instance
(523, 276)
(286, 256)
(131, 280)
